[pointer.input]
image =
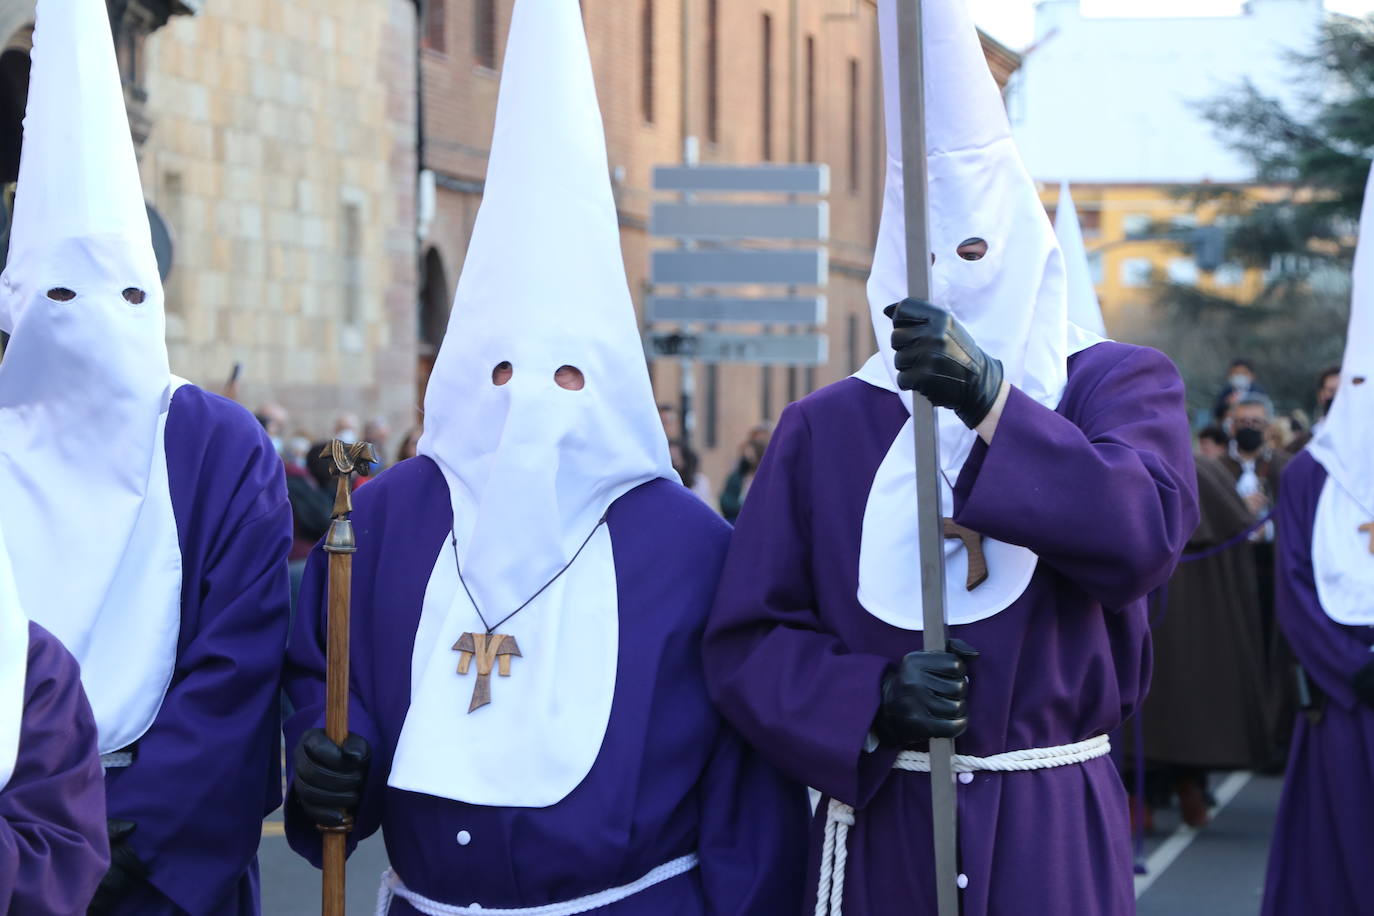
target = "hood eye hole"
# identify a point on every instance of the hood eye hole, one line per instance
(61, 294)
(570, 378)
(135, 296)
(502, 373)
(1357, 380)
(972, 249)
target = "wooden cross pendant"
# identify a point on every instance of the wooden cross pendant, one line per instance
(973, 544)
(1369, 529)
(490, 650)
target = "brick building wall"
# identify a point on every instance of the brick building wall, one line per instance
(282, 154)
(845, 132)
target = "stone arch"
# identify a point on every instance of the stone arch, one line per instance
(431, 317)
(435, 302)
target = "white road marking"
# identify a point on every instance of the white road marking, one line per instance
(1169, 851)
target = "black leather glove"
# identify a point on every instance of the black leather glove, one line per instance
(329, 779)
(925, 696)
(1364, 684)
(126, 871)
(936, 356)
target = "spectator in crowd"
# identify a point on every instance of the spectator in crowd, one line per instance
(1240, 381)
(737, 484)
(688, 467)
(346, 428)
(274, 419)
(1327, 384)
(1256, 468)
(312, 505)
(378, 432)
(1213, 442)
(667, 415)
(409, 444)
(1199, 718)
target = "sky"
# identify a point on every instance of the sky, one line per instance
(1012, 22)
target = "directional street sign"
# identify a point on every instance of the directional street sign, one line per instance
(790, 310)
(715, 267)
(804, 178)
(794, 222)
(757, 349)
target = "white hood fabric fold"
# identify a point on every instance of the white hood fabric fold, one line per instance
(1341, 557)
(85, 384)
(531, 467)
(1013, 301)
(14, 667)
(1085, 311)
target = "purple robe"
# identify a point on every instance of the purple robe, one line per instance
(208, 770)
(670, 779)
(1324, 839)
(53, 844)
(1104, 491)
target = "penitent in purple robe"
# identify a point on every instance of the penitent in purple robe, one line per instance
(1103, 490)
(208, 770)
(1324, 840)
(53, 845)
(671, 778)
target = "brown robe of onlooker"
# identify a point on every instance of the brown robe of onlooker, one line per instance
(1208, 707)
(1280, 664)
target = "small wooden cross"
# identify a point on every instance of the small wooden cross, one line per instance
(492, 650)
(973, 543)
(1369, 529)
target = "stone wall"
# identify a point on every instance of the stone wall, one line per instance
(282, 153)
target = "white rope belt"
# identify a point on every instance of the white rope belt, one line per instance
(839, 817)
(393, 887)
(116, 760)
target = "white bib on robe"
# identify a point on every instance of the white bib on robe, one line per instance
(541, 733)
(14, 666)
(1343, 565)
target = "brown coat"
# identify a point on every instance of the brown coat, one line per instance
(1208, 705)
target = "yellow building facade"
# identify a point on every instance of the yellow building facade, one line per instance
(1127, 229)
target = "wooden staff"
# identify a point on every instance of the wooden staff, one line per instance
(347, 461)
(930, 525)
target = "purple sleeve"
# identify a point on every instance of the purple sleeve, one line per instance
(793, 689)
(753, 836)
(53, 844)
(1329, 652)
(305, 680)
(208, 770)
(1108, 498)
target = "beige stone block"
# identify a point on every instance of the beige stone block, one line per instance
(249, 222)
(283, 226)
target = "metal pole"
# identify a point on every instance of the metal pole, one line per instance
(944, 813)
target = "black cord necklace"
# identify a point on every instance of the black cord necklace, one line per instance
(492, 627)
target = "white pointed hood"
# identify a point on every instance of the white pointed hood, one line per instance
(84, 384)
(1341, 557)
(1084, 309)
(1013, 301)
(531, 467)
(14, 664)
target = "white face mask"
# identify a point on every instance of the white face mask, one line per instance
(1342, 563)
(1013, 300)
(85, 384)
(532, 467)
(1240, 381)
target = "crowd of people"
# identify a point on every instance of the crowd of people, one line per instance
(1226, 686)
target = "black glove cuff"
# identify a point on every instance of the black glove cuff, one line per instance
(982, 398)
(1363, 682)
